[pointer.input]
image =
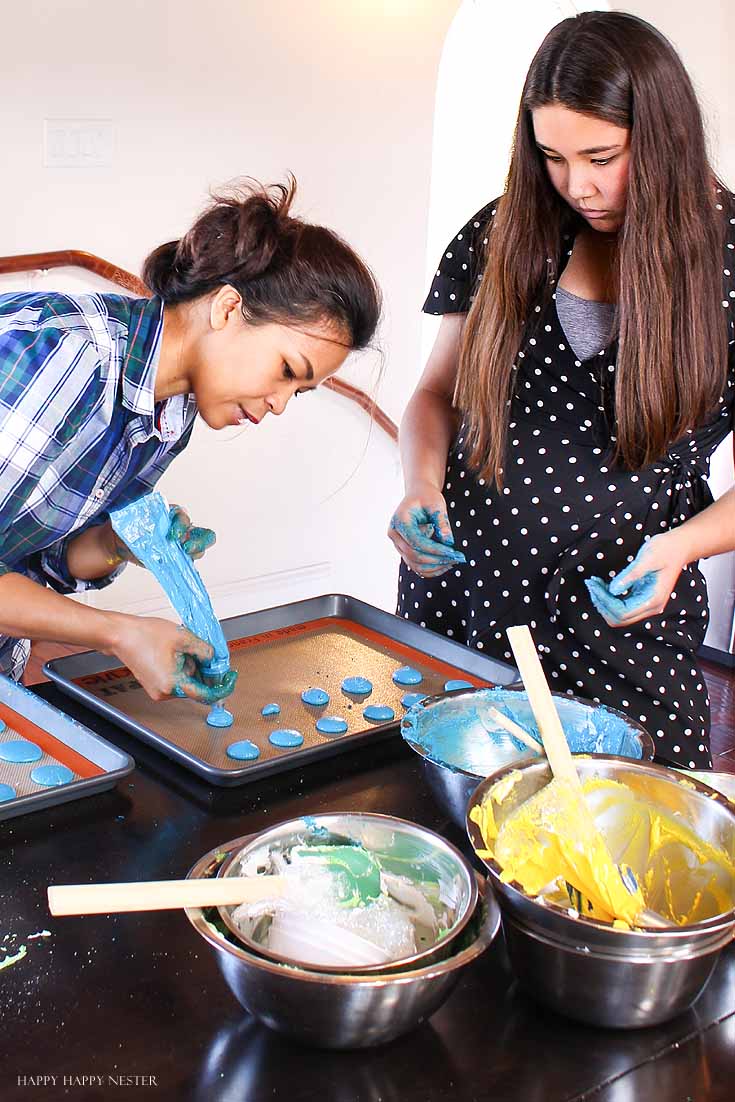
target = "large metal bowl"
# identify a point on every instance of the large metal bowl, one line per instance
(411, 851)
(458, 752)
(337, 1011)
(590, 970)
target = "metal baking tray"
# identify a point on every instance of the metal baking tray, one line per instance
(95, 763)
(278, 653)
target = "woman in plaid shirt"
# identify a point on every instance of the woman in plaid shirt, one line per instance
(98, 393)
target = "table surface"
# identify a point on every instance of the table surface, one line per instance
(141, 995)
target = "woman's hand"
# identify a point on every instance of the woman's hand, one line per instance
(644, 587)
(166, 659)
(194, 541)
(99, 550)
(421, 533)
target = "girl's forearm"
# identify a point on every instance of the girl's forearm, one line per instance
(711, 532)
(30, 611)
(95, 553)
(427, 430)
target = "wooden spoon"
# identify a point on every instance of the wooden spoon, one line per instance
(161, 895)
(542, 705)
(513, 728)
(552, 733)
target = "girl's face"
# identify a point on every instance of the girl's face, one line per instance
(587, 160)
(240, 372)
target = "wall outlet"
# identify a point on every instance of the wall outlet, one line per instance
(78, 143)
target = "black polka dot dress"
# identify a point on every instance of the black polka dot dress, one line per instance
(564, 516)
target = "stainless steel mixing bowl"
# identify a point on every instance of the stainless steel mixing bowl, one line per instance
(404, 848)
(338, 1011)
(589, 970)
(453, 781)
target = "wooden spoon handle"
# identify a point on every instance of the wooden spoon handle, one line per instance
(514, 729)
(542, 704)
(161, 895)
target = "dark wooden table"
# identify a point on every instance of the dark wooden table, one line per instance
(138, 1001)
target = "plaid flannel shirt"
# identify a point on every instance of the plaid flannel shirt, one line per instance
(80, 432)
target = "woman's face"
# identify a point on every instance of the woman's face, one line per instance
(240, 372)
(587, 160)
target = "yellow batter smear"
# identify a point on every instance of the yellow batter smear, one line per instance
(558, 838)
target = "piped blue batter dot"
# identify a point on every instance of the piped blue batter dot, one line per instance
(315, 697)
(220, 717)
(271, 710)
(245, 750)
(379, 713)
(331, 725)
(20, 750)
(286, 738)
(358, 685)
(7, 792)
(50, 776)
(455, 683)
(409, 699)
(407, 675)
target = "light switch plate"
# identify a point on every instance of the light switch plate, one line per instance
(78, 143)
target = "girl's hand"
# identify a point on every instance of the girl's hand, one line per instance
(194, 541)
(642, 589)
(166, 659)
(420, 531)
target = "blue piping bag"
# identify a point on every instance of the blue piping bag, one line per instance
(143, 526)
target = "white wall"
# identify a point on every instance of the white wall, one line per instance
(703, 35)
(341, 92)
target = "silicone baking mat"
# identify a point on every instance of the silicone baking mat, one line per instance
(95, 765)
(278, 653)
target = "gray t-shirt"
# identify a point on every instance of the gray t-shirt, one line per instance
(586, 323)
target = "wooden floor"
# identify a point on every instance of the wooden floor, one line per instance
(720, 681)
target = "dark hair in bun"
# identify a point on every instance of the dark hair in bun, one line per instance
(285, 270)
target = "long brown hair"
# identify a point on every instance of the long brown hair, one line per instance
(286, 270)
(672, 359)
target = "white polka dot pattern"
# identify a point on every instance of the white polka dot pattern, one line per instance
(566, 514)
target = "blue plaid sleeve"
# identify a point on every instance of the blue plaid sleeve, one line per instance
(52, 562)
(47, 388)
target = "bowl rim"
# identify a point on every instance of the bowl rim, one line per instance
(487, 934)
(513, 889)
(322, 819)
(647, 744)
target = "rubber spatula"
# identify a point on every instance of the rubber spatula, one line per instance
(555, 743)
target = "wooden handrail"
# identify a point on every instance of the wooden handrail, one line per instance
(76, 258)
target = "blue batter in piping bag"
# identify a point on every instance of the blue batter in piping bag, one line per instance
(144, 526)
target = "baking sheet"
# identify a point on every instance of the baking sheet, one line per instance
(279, 653)
(95, 764)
